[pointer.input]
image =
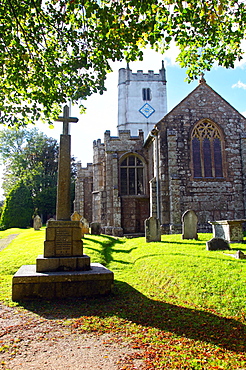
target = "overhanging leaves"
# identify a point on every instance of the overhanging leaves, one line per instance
(52, 50)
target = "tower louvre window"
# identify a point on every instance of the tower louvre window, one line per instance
(146, 92)
(207, 150)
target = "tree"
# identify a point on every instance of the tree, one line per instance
(31, 156)
(18, 207)
(54, 50)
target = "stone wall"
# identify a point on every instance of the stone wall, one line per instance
(124, 211)
(99, 196)
(83, 191)
(210, 198)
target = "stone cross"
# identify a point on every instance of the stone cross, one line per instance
(66, 120)
(63, 208)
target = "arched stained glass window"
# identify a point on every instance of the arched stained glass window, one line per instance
(132, 176)
(196, 157)
(207, 157)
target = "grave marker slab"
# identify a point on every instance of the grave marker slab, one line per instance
(216, 244)
(37, 222)
(152, 230)
(189, 225)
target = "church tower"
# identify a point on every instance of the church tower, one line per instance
(142, 99)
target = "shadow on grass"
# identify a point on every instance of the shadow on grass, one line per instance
(106, 248)
(129, 304)
(191, 241)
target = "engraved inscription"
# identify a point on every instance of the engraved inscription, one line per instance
(63, 242)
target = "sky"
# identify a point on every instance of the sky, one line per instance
(102, 110)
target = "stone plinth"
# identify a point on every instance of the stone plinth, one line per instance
(63, 271)
(63, 238)
(81, 263)
(63, 248)
(230, 230)
(29, 284)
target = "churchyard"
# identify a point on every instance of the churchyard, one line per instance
(180, 305)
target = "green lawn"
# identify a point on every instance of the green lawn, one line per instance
(183, 306)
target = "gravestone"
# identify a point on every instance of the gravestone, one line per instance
(63, 271)
(76, 217)
(216, 244)
(37, 222)
(189, 225)
(152, 230)
(85, 226)
(96, 228)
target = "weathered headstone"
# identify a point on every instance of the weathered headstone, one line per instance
(63, 271)
(85, 226)
(37, 222)
(152, 230)
(189, 225)
(75, 216)
(95, 228)
(216, 244)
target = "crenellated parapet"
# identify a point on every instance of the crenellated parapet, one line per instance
(142, 99)
(124, 141)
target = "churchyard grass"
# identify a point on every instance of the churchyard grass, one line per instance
(181, 306)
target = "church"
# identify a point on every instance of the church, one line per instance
(162, 163)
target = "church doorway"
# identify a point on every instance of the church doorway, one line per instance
(134, 212)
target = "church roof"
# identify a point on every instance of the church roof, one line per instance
(200, 89)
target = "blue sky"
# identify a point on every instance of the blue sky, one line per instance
(101, 114)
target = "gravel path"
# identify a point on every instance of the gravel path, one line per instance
(28, 342)
(5, 241)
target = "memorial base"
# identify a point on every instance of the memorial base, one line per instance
(81, 263)
(28, 284)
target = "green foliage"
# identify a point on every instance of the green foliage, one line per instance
(18, 207)
(30, 155)
(53, 51)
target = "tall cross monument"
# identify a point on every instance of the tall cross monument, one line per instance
(63, 271)
(63, 204)
(63, 247)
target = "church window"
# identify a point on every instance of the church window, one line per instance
(207, 158)
(146, 92)
(132, 176)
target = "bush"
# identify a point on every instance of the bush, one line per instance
(18, 207)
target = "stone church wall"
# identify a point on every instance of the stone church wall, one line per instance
(122, 210)
(83, 191)
(98, 194)
(210, 198)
